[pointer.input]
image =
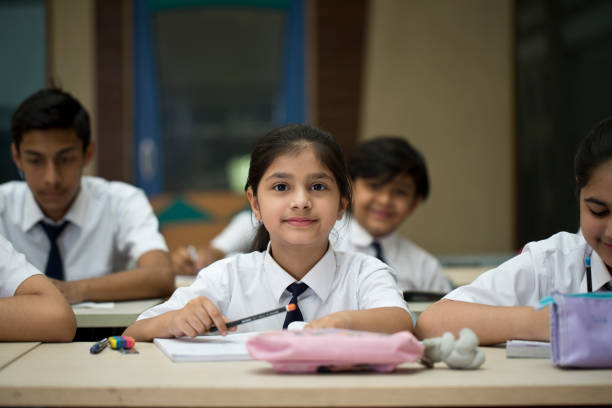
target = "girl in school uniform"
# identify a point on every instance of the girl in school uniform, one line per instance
(498, 305)
(297, 187)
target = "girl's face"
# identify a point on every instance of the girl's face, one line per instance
(298, 201)
(596, 212)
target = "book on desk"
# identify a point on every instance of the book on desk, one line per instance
(527, 349)
(231, 347)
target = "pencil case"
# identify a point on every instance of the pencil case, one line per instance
(580, 329)
(329, 350)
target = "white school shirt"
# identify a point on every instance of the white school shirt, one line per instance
(238, 235)
(252, 283)
(14, 268)
(111, 223)
(414, 267)
(554, 263)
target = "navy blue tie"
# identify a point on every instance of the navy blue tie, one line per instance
(378, 250)
(55, 267)
(296, 289)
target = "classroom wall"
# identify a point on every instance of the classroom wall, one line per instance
(72, 52)
(441, 74)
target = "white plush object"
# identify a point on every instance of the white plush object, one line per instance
(462, 353)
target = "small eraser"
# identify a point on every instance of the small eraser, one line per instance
(291, 307)
(297, 325)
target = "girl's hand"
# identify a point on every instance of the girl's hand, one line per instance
(196, 318)
(338, 320)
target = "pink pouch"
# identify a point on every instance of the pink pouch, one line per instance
(327, 350)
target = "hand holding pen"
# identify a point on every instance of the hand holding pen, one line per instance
(200, 316)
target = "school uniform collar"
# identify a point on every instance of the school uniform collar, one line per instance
(361, 238)
(32, 213)
(319, 279)
(599, 274)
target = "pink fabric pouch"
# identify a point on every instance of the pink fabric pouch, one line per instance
(328, 350)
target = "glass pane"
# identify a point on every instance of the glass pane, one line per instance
(23, 67)
(220, 75)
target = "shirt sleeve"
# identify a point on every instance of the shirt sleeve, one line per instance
(138, 225)
(513, 283)
(436, 280)
(238, 236)
(14, 269)
(377, 287)
(212, 282)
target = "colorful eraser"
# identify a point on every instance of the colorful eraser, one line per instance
(121, 342)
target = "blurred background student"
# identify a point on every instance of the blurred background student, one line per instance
(82, 231)
(390, 181)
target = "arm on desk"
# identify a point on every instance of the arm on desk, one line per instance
(183, 264)
(381, 319)
(492, 324)
(37, 312)
(196, 318)
(152, 278)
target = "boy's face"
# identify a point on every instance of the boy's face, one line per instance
(381, 208)
(52, 162)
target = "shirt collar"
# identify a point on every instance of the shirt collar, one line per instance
(319, 279)
(599, 274)
(33, 214)
(361, 238)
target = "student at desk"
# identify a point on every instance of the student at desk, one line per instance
(389, 179)
(81, 231)
(297, 187)
(498, 305)
(31, 308)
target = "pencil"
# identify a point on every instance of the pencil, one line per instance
(290, 307)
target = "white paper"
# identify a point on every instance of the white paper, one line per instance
(94, 305)
(527, 349)
(206, 348)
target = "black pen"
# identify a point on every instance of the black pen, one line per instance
(288, 308)
(99, 346)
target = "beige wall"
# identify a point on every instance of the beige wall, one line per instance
(440, 73)
(72, 52)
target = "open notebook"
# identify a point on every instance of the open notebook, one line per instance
(206, 348)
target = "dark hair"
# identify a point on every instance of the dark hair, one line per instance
(386, 157)
(595, 149)
(293, 139)
(50, 109)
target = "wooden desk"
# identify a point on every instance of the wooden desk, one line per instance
(465, 275)
(67, 375)
(121, 315)
(10, 352)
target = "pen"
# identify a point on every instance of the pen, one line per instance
(193, 254)
(587, 264)
(99, 346)
(290, 307)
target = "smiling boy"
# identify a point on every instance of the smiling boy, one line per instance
(80, 231)
(389, 182)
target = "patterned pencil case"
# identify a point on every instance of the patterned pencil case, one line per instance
(580, 329)
(329, 350)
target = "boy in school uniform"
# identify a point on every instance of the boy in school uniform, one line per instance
(81, 231)
(390, 181)
(31, 308)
